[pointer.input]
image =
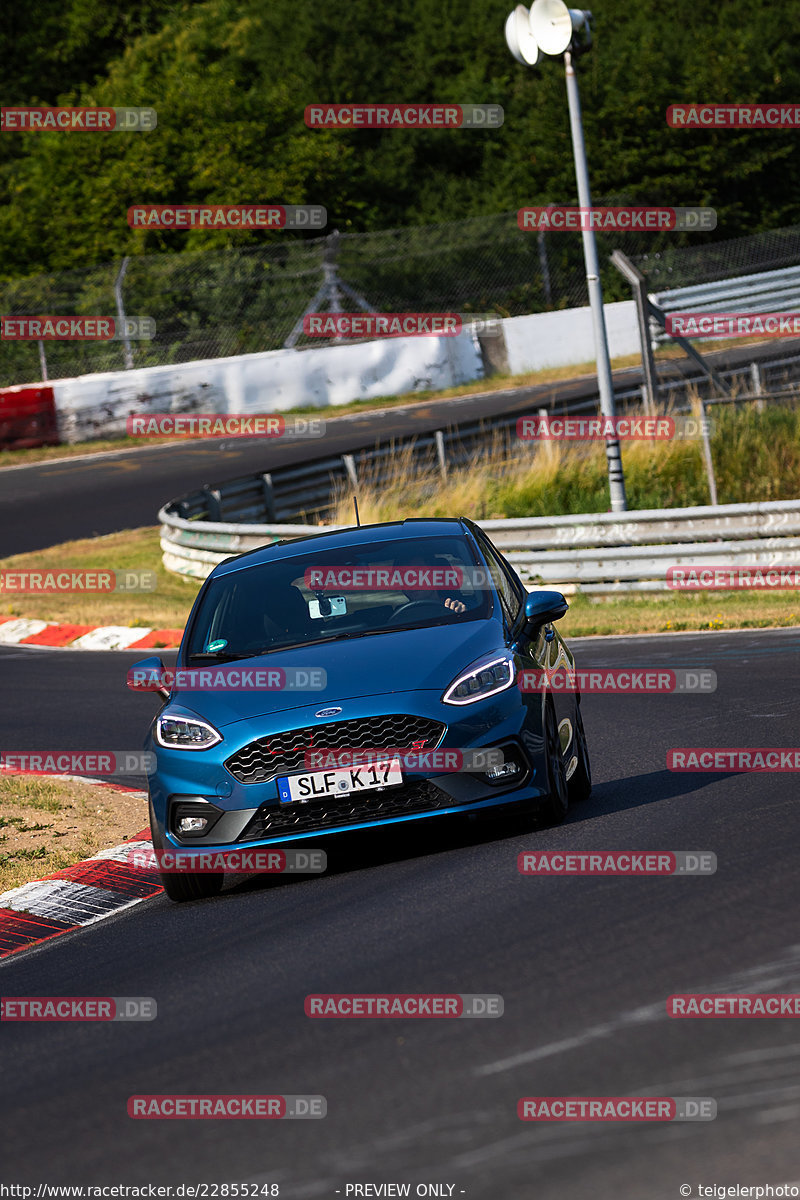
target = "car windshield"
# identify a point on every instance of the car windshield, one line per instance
(336, 594)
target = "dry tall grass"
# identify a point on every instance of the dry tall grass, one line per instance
(756, 455)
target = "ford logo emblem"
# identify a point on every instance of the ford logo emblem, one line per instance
(328, 712)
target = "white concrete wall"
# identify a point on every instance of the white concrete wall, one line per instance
(565, 338)
(91, 406)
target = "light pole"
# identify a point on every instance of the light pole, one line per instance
(549, 29)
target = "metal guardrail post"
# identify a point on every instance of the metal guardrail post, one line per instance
(213, 499)
(638, 285)
(758, 387)
(439, 436)
(121, 313)
(546, 447)
(544, 267)
(269, 496)
(712, 481)
(350, 467)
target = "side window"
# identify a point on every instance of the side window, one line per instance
(516, 587)
(510, 595)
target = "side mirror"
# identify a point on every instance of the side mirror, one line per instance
(148, 676)
(543, 607)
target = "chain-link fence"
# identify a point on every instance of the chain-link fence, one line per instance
(683, 266)
(216, 303)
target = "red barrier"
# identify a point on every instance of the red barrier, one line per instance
(27, 417)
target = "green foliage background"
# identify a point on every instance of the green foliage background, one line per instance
(231, 78)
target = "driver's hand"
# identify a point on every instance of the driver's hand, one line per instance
(455, 605)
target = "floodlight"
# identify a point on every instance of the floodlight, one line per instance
(553, 25)
(519, 38)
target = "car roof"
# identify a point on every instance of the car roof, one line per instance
(344, 539)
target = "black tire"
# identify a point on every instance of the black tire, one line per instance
(187, 885)
(579, 784)
(554, 809)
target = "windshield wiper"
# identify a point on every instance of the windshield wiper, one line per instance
(217, 655)
(331, 637)
(340, 637)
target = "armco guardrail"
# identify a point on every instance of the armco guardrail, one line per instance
(764, 292)
(593, 552)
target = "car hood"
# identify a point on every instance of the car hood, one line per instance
(377, 665)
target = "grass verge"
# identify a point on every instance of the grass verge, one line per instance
(48, 824)
(674, 612)
(167, 607)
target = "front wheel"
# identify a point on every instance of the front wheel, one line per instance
(554, 808)
(189, 885)
(580, 781)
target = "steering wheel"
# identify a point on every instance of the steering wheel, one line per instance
(434, 609)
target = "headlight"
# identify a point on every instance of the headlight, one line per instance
(183, 733)
(484, 678)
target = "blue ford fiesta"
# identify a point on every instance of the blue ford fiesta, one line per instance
(401, 646)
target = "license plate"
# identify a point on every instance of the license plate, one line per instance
(341, 781)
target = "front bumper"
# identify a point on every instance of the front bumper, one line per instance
(252, 815)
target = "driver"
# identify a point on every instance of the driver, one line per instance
(431, 595)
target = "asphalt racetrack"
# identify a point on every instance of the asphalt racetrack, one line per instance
(584, 965)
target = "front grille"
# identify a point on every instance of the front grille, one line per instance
(335, 811)
(284, 753)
